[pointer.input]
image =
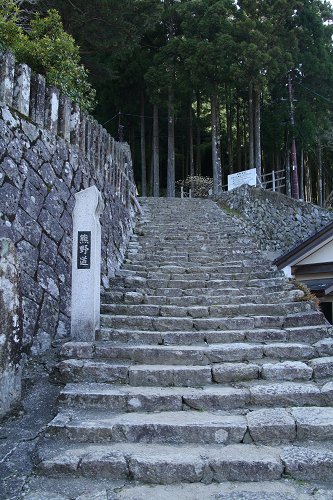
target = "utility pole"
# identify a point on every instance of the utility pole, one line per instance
(295, 190)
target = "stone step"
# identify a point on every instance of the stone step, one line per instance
(119, 293)
(266, 490)
(277, 425)
(162, 464)
(197, 355)
(230, 268)
(216, 321)
(206, 398)
(226, 293)
(309, 334)
(208, 368)
(222, 310)
(193, 373)
(178, 299)
(164, 428)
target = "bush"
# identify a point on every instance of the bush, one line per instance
(48, 50)
(199, 185)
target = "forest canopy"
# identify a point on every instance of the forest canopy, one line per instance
(197, 87)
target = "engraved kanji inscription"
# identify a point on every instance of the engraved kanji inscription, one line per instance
(83, 249)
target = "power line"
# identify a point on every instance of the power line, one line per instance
(316, 93)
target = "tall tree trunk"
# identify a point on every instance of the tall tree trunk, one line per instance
(150, 165)
(151, 176)
(307, 178)
(229, 134)
(244, 138)
(218, 132)
(215, 145)
(156, 153)
(143, 147)
(171, 122)
(320, 174)
(198, 159)
(288, 181)
(301, 191)
(239, 141)
(190, 132)
(257, 136)
(171, 145)
(251, 128)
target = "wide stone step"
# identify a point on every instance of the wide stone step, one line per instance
(229, 268)
(266, 490)
(273, 425)
(304, 315)
(221, 310)
(309, 334)
(201, 296)
(161, 464)
(197, 355)
(205, 398)
(164, 428)
(226, 293)
(159, 374)
(177, 298)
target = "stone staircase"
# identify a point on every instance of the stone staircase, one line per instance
(207, 373)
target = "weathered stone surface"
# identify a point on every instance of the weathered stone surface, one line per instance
(289, 370)
(285, 394)
(234, 352)
(41, 343)
(11, 334)
(21, 91)
(324, 347)
(322, 367)
(29, 228)
(271, 426)
(315, 423)
(31, 200)
(211, 399)
(277, 221)
(36, 175)
(163, 467)
(289, 351)
(104, 463)
(9, 199)
(254, 464)
(232, 372)
(308, 463)
(37, 99)
(41, 495)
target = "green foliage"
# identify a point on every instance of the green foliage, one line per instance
(199, 185)
(10, 31)
(48, 50)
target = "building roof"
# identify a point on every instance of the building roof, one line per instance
(320, 285)
(316, 240)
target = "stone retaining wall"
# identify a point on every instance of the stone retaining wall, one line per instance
(43, 163)
(275, 220)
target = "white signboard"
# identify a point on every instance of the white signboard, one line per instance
(240, 178)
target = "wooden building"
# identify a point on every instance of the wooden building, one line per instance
(311, 262)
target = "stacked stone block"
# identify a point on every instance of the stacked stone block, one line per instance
(50, 150)
(56, 113)
(276, 221)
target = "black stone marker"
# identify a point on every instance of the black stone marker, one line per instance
(83, 249)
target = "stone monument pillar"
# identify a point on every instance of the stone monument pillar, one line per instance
(11, 329)
(86, 265)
